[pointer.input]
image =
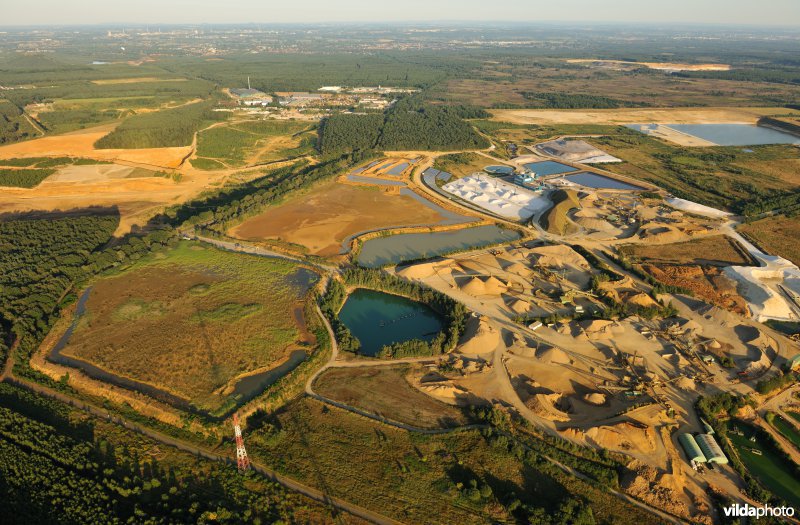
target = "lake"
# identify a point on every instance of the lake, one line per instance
(378, 319)
(395, 249)
(549, 167)
(595, 180)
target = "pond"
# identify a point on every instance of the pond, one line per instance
(595, 180)
(729, 134)
(412, 246)
(769, 467)
(499, 170)
(549, 167)
(378, 319)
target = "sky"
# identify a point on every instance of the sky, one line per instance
(67, 12)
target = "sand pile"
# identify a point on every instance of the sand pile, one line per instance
(520, 307)
(600, 329)
(494, 286)
(639, 299)
(661, 234)
(444, 391)
(558, 256)
(418, 271)
(758, 365)
(595, 398)
(597, 225)
(685, 383)
(553, 355)
(623, 436)
(554, 407)
(473, 286)
(519, 269)
(479, 336)
(472, 265)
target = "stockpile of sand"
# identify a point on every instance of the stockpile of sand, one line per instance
(558, 256)
(519, 306)
(479, 336)
(495, 286)
(417, 271)
(661, 234)
(622, 436)
(596, 224)
(601, 329)
(554, 407)
(472, 286)
(685, 383)
(552, 355)
(639, 299)
(595, 398)
(518, 269)
(444, 391)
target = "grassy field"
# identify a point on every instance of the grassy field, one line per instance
(777, 235)
(462, 164)
(193, 320)
(788, 430)
(385, 391)
(769, 468)
(421, 478)
(717, 250)
(240, 143)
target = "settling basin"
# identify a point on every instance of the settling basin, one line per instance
(597, 181)
(378, 319)
(412, 246)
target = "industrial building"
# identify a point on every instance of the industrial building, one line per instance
(524, 178)
(251, 97)
(693, 452)
(711, 449)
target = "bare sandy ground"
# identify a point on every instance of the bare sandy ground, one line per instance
(636, 115)
(321, 219)
(672, 66)
(81, 144)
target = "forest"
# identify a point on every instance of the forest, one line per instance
(57, 468)
(408, 125)
(577, 101)
(24, 178)
(161, 129)
(13, 126)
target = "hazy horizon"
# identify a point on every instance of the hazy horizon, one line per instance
(769, 13)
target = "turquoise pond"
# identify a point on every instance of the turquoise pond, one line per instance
(378, 319)
(395, 249)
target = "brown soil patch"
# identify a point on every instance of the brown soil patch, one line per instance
(706, 282)
(717, 250)
(81, 144)
(387, 392)
(634, 115)
(323, 218)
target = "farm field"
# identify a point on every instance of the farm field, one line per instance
(386, 391)
(192, 320)
(777, 235)
(322, 218)
(418, 478)
(788, 430)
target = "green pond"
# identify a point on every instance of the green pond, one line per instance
(769, 468)
(378, 319)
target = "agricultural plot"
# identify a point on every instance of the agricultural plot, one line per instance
(193, 320)
(251, 142)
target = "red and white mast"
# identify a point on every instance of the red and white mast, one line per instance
(242, 461)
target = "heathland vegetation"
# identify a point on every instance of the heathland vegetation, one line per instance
(192, 320)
